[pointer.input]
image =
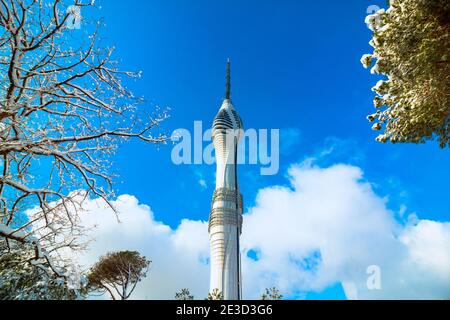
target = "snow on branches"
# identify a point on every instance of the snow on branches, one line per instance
(411, 41)
(64, 109)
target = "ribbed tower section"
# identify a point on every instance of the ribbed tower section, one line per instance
(225, 221)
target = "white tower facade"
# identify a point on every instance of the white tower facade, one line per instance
(225, 220)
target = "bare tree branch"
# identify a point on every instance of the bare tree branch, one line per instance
(64, 109)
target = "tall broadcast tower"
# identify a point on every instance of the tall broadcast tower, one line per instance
(225, 220)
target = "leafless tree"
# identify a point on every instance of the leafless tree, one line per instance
(64, 109)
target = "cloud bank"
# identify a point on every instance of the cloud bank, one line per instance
(329, 226)
(326, 226)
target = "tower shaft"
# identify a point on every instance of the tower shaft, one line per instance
(225, 221)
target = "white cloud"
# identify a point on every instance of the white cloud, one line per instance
(327, 227)
(202, 183)
(201, 178)
(428, 245)
(178, 256)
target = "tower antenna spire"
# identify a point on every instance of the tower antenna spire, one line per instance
(228, 83)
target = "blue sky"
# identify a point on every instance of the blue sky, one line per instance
(295, 66)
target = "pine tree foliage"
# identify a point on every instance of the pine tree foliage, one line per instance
(118, 273)
(184, 294)
(411, 41)
(216, 294)
(272, 294)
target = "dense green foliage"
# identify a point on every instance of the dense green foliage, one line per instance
(411, 41)
(118, 273)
